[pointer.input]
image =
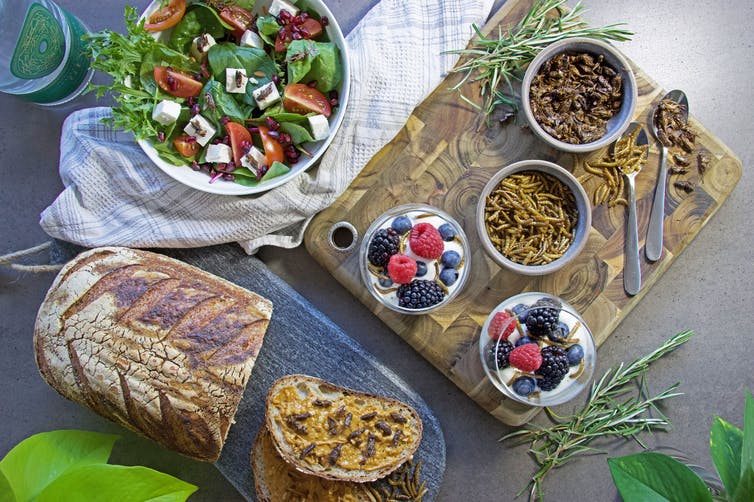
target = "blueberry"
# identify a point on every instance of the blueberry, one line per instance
(524, 340)
(560, 333)
(401, 224)
(446, 232)
(575, 354)
(450, 259)
(522, 311)
(421, 269)
(523, 386)
(449, 276)
(386, 282)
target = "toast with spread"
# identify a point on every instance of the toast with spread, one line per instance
(337, 433)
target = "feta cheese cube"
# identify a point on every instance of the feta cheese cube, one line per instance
(235, 80)
(219, 153)
(253, 160)
(200, 46)
(251, 39)
(278, 5)
(266, 95)
(166, 112)
(201, 129)
(319, 126)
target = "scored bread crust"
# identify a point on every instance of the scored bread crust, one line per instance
(277, 481)
(381, 434)
(151, 343)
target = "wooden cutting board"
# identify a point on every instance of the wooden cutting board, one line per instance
(444, 156)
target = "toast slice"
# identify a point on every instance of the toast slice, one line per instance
(277, 481)
(341, 434)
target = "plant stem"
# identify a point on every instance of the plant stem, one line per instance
(601, 416)
(494, 61)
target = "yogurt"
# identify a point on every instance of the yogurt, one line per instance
(377, 279)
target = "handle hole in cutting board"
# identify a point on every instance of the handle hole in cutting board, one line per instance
(342, 237)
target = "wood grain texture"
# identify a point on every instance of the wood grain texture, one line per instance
(444, 156)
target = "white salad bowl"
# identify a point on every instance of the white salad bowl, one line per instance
(200, 180)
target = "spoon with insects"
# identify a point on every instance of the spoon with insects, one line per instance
(630, 154)
(669, 118)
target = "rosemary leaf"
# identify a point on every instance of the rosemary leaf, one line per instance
(602, 416)
(498, 62)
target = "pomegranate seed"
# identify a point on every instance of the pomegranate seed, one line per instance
(198, 77)
(191, 139)
(313, 83)
(292, 161)
(297, 36)
(333, 94)
(161, 136)
(245, 147)
(285, 138)
(253, 130)
(324, 21)
(205, 72)
(261, 171)
(275, 79)
(224, 119)
(230, 167)
(305, 33)
(226, 140)
(195, 166)
(172, 83)
(304, 16)
(285, 15)
(272, 123)
(282, 32)
(333, 102)
(194, 109)
(191, 101)
(295, 29)
(273, 134)
(229, 177)
(221, 167)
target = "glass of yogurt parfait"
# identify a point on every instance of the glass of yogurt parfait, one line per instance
(537, 350)
(414, 258)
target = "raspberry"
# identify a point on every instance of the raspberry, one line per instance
(426, 241)
(500, 321)
(526, 357)
(401, 268)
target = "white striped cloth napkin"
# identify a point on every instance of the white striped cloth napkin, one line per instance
(115, 196)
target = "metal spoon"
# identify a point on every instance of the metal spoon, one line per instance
(653, 247)
(632, 268)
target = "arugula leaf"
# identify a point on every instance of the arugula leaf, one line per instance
(38, 460)
(199, 19)
(268, 28)
(115, 482)
(300, 56)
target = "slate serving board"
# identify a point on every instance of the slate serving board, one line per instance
(444, 156)
(300, 339)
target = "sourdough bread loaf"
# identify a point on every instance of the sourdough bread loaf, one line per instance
(277, 481)
(336, 433)
(151, 343)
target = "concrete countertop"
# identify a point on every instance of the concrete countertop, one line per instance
(701, 47)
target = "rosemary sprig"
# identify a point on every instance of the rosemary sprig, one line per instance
(607, 412)
(502, 60)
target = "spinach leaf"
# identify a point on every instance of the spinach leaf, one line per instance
(299, 134)
(246, 178)
(227, 55)
(300, 56)
(163, 55)
(219, 104)
(35, 462)
(268, 28)
(244, 4)
(199, 19)
(115, 482)
(326, 68)
(280, 117)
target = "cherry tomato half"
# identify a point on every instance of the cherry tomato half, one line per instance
(176, 82)
(273, 150)
(300, 98)
(238, 135)
(167, 17)
(240, 19)
(186, 145)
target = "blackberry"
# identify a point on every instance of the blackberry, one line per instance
(497, 355)
(543, 317)
(384, 244)
(420, 294)
(554, 367)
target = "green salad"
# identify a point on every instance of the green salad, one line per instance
(219, 89)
